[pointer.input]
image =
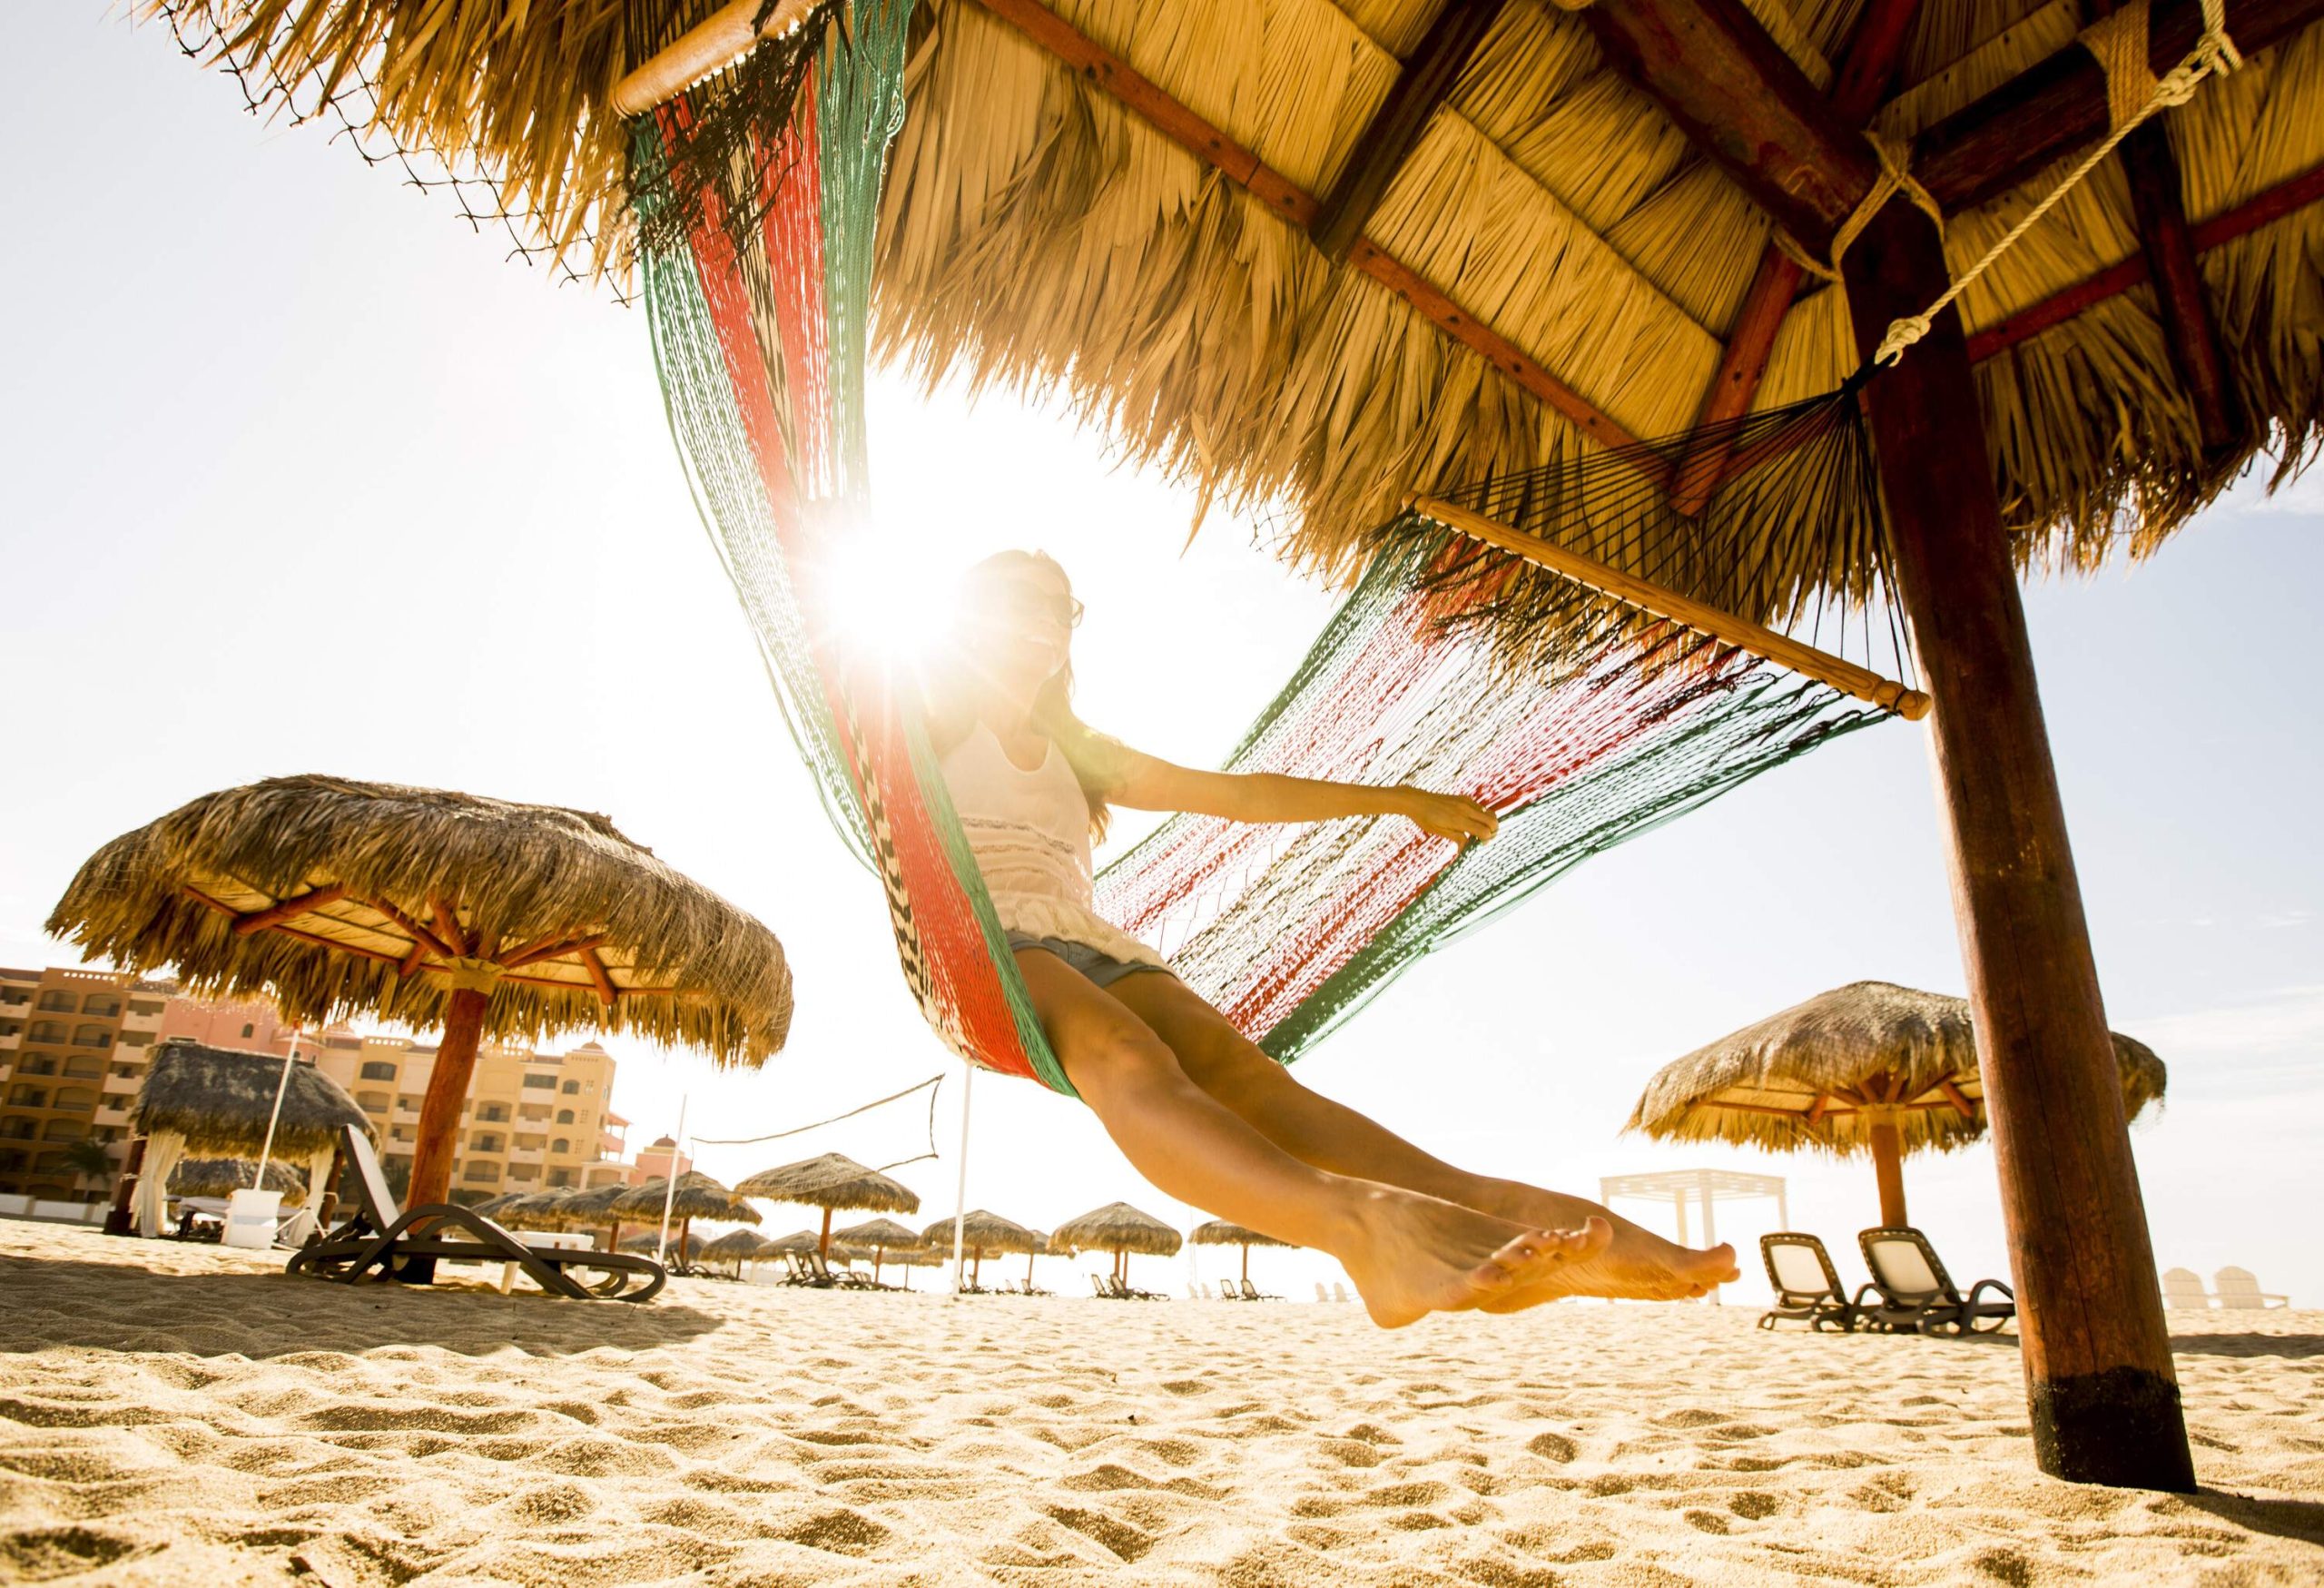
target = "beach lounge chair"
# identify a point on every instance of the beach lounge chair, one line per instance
(1339, 1292)
(1321, 1294)
(1917, 1295)
(2239, 1291)
(1807, 1286)
(1227, 1291)
(2182, 1291)
(1122, 1290)
(1252, 1293)
(407, 1244)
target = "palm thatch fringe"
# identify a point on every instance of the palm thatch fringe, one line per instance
(219, 1177)
(877, 1233)
(689, 967)
(1117, 1227)
(737, 1246)
(1757, 1086)
(830, 1181)
(219, 1099)
(802, 1241)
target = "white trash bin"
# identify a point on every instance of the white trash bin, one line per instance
(251, 1219)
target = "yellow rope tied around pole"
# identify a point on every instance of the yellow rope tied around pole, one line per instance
(1896, 177)
(2133, 94)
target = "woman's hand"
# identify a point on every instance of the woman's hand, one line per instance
(1453, 816)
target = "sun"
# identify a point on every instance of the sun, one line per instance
(884, 602)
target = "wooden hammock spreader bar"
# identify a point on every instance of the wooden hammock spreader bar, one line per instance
(710, 45)
(1804, 659)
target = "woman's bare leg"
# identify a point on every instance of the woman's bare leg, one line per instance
(1637, 1263)
(1408, 1253)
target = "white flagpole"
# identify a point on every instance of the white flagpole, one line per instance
(670, 1187)
(960, 1188)
(280, 1086)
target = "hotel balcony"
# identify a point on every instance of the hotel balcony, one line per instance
(113, 1116)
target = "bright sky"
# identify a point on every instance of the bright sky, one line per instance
(297, 475)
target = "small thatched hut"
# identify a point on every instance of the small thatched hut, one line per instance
(876, 1237)
(1869, 1068)
(215, 1102)
(982, 1232)
(1121, 1229)
(736, 1247)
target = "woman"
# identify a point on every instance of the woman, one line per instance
(1199, 1109)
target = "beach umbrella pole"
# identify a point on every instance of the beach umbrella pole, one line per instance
(960, 1185)
(447, 1089)
(1888, 1165)
(275, 1117)
(670, 1181)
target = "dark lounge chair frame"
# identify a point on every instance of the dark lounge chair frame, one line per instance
(1944, 1310)
(1831, 1307)
(406, 1245)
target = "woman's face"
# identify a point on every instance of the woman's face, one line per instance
(1019, 625)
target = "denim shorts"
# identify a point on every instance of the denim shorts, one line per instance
(1100, 967)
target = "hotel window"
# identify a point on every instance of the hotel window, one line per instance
(377, 1069)
(58, 1001)
(38, 1064)
(46, 1031)
(91, 1037)
(572, 1088)
(482, 1171)
(565, 1116)
(28, 1097)
(541, 1082)
(560, 1145)
(81, 1067)
(101, 1003)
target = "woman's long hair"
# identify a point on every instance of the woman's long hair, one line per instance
(1097, 759)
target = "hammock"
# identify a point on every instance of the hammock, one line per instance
(1498, 644)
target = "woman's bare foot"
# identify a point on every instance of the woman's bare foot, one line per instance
(1635, 1265)
(1415, 1255)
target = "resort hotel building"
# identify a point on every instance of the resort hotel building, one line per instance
(75, 1045)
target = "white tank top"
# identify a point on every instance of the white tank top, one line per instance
(1029, 831)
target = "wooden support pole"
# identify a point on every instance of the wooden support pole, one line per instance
(1846, 677)
(1889, 1169)
(2103, 1397)
(117, 1216)
(1425, 82)
(447, 1089)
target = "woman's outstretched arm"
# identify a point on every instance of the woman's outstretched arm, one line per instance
(1147, 782)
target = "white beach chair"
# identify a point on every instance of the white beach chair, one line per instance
(2182, 1291)
(1339, 1292)
(2239, 1291)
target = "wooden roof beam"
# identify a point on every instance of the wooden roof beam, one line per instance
(1279, 193)
(2271, 205)
(2190, 330)
(1739, 98)
(1425, 82)
(1857, 88)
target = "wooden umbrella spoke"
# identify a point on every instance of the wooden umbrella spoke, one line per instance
(288, 909)
(549, 948)
(420, 935)
(594, 962)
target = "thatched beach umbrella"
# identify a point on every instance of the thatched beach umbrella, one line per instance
(697, 1197)
(1870, 1068)
(878, 1237)
(982, 1232)
(1219, 1232)
(216, 1101)
(832, 1182)
(333, 898)
(221, 1177)
(737, 1246)
(594, 1208)
(1121, 1229)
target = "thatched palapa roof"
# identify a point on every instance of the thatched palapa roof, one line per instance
(1116, 1227)
(981, 1231)
(1812, 1076)
(331, 897)
(833, 1181)
(880, 1234)
(737, 1246)
(1553, 262)
(1219, 1232)
(219, 1099)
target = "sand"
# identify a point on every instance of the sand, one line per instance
(184, 1414)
